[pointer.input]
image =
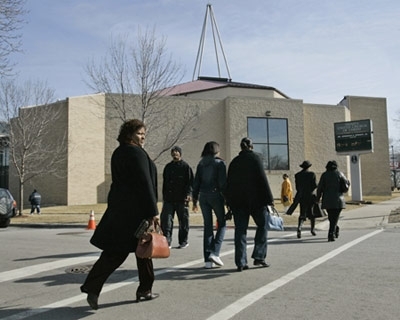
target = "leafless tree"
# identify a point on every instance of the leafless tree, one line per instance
(11, 20)
(33, 151)
(143, 68)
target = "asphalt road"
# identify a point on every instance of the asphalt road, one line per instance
(355, 277)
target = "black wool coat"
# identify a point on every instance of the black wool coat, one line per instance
(306, 183)
(132, 198)
(247, 184)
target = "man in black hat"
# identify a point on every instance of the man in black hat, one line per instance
(177, 191)
(306, 183)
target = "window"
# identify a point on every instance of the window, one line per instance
(270, 141)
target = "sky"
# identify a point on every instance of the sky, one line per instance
(315, 50)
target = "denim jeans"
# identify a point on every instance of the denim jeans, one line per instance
(241, 218)
(167, 221)
(210, 202)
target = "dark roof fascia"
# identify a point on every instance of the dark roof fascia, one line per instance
(225, 83)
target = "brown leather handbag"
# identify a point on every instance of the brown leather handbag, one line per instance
(153, 244)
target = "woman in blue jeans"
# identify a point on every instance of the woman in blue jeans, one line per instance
(209, 185)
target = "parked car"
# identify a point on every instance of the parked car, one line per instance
(8, 207)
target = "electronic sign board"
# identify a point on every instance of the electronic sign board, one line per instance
(354, 136)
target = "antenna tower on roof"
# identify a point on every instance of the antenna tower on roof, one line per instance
(216, 36)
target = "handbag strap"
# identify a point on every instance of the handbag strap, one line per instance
(155, 227)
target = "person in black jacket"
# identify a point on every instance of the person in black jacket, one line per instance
(132, 198)
(332, 197)
(35, 199)
(306, 183)
(177, 190)
(248, 194)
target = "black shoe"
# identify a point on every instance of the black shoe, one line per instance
(92, 300)
(337, 232)
(298, 234)
(313, 233)
(261, 263)
(331, 238)
(146, 296)
(241, 268)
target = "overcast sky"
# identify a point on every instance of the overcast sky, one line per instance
(315, 50)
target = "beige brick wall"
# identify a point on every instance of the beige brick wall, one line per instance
(93, 124)
(86, 123)
(375, 170)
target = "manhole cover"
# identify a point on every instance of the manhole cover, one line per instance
(79, 269)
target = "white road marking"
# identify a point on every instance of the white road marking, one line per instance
(226, 313)
(38, 268)
(239, 305)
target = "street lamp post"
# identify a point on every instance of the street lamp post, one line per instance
(394, 172)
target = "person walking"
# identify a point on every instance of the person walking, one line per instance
(132, 198)
(35, 199)
(332, 196)
(177, 190)
(286, 192)
(248, 194)
(208, 187)
(306, 183)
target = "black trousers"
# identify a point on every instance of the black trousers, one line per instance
(333, 217)
(167, 220)
(107, 263)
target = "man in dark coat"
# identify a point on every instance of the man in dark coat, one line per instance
(248, 194)
(306, 183)
(177, 191)
(132, 198)
(35, 199)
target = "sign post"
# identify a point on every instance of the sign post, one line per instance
(353, 138)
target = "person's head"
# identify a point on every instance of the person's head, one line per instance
(246, 144)
(34, 190)
(176, 153)
(285, 176)
(305, 165)
(210, 148)
(132, 132)
(331, 165)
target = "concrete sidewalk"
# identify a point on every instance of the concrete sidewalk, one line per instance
(368, 216)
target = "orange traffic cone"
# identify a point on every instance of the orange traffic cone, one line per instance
(91, 223)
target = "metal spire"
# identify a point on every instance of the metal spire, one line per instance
(215, 34)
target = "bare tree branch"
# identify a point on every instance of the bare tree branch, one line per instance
(11, 13)
(33, 151)
(144, 68)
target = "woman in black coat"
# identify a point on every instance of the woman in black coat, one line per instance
(332, 197)
(132, 198)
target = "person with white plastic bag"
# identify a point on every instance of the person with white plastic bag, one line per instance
(248, 194)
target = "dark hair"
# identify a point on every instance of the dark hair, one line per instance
(246, 144)
(128, 129)
(285, 175)
(210, 148)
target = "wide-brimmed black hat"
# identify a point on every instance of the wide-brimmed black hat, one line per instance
(306, 164)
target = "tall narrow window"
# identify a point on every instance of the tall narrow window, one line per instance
(270, 140)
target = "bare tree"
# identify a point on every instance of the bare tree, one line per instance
(143, 68)
(33, 151)
(11, 13)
